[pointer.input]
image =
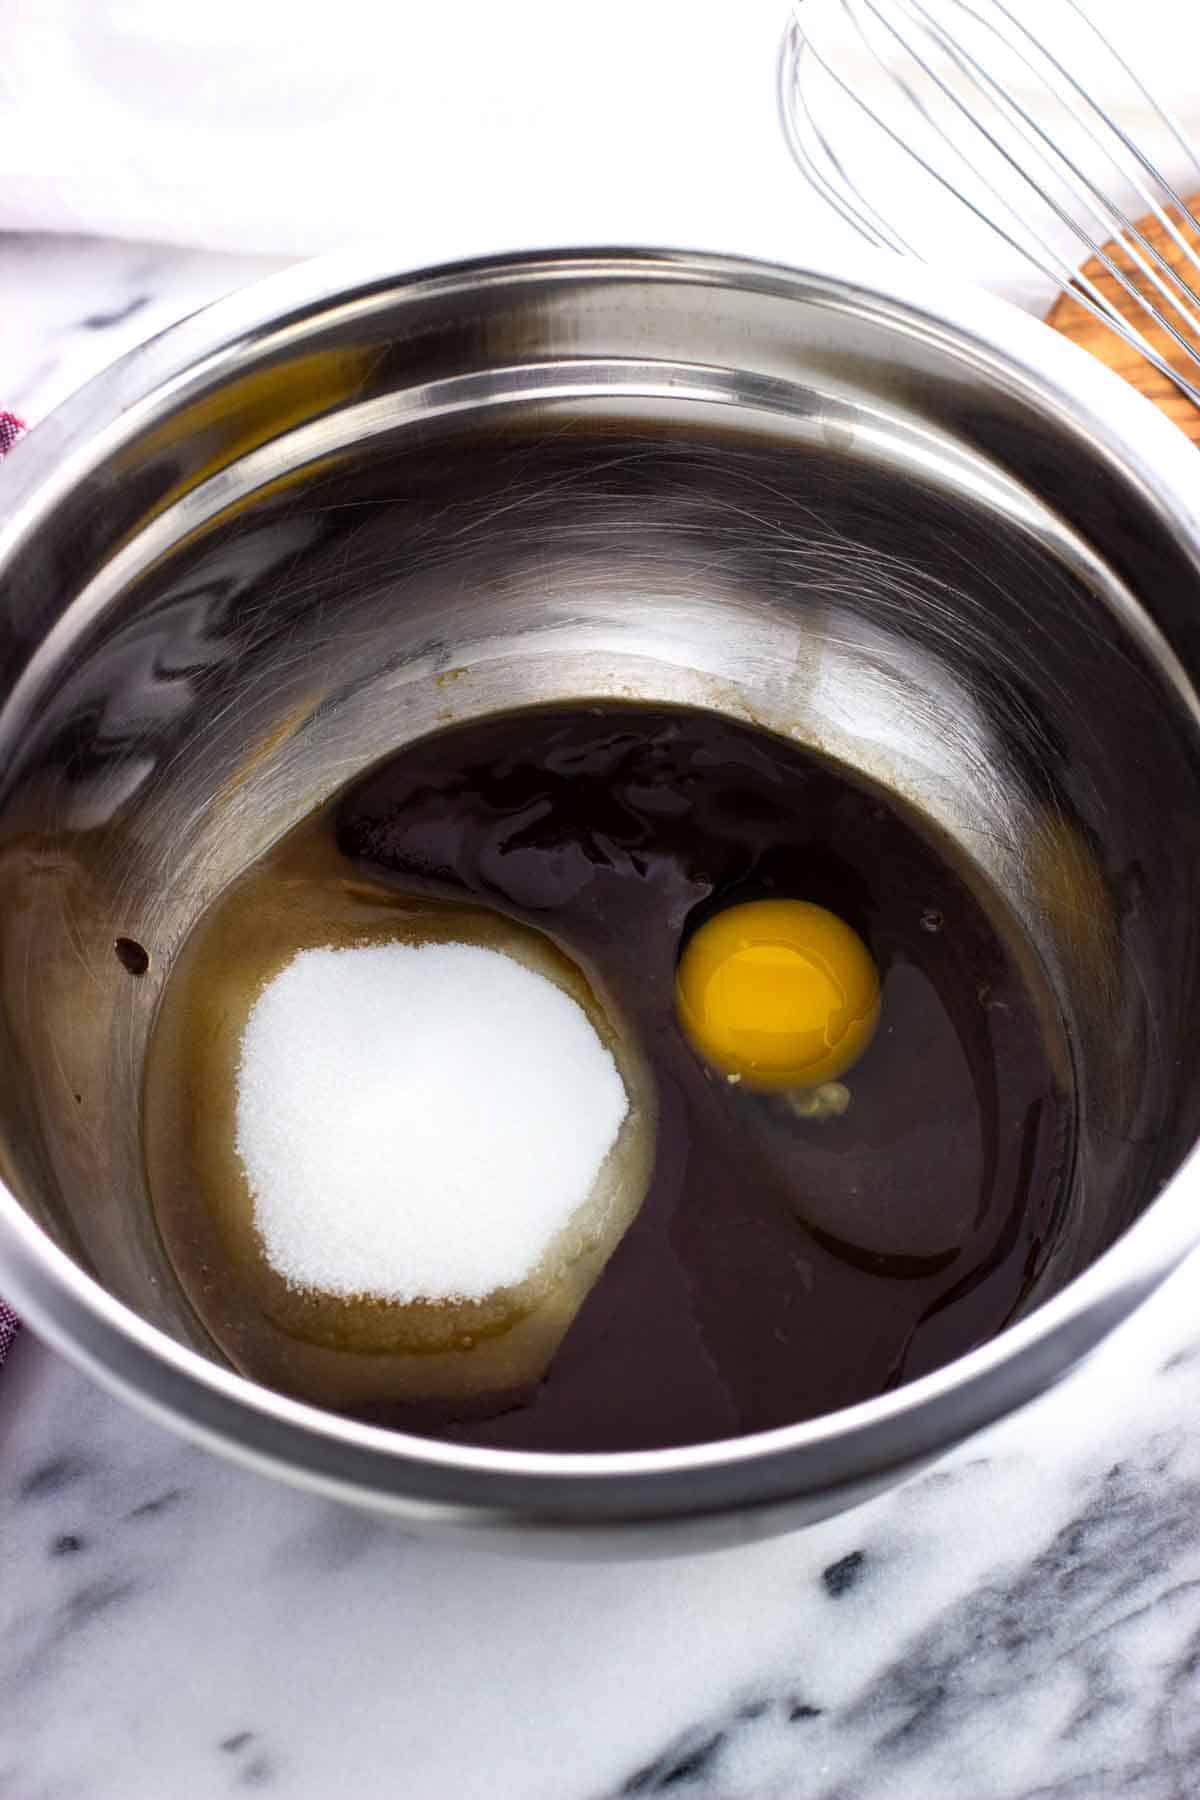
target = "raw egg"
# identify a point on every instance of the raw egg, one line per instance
(778, 994)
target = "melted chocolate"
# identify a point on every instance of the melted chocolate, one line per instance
(779, 1267)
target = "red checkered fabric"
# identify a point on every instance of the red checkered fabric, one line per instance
(10, 430)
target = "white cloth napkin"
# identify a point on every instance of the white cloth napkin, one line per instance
(269, 126)
(279, 125)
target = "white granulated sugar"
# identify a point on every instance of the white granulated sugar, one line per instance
(419, 1121)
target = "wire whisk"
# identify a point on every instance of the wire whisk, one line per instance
(1003, 143)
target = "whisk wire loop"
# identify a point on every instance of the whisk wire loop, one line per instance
(991, 113)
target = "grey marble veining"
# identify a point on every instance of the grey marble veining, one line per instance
(69, 306)
(1022, 1623)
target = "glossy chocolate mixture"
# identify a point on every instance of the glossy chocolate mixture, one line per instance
(780, 1266)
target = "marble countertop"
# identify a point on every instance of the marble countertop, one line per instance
(1021, 1622)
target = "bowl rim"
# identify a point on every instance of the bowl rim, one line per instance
(427, 1478)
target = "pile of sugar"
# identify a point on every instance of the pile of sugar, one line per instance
(419, 1121)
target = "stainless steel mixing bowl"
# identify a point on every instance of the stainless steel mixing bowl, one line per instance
(912, 530)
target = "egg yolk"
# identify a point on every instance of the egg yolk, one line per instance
(778, 994)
